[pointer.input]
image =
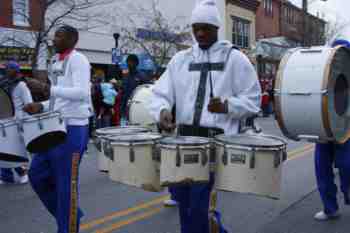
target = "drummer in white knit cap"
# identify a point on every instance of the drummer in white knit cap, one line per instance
(213, 87)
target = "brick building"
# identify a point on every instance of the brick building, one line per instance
(19, 19)
(279, 27)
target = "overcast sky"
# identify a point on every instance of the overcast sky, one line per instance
(332, 10)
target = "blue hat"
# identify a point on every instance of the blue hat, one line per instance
(341, 42)
(13, 66)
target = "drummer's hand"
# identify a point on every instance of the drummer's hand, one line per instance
(37, 86)
(216, 106)
(166, 121)
(33, 108)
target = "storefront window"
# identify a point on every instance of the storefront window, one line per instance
(21, 12)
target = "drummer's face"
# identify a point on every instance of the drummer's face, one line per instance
(206, 35)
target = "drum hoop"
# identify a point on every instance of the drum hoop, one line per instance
(126, 144)
(41, 116)
(325, 98)
(251, 148)
(278, 98)
(207, 142)
(183, 147)
(155, 137)
(100, 132)
(8, 122)
(284, 143)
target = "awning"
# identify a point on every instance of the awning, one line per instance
(273, 48)
(97, 57)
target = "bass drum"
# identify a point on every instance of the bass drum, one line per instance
(312, 94)
(137, 106)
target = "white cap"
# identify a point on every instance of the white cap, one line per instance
(206, 11)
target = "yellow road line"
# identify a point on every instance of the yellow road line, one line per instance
(300, 151)
(89, 225)
(130, 220)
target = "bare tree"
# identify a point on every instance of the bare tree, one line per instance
(334, 29)
(149, 31)
(52, 14)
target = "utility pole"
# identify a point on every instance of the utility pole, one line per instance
(305, 24)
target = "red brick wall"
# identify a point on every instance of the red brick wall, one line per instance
(6, 19)
(267, 25)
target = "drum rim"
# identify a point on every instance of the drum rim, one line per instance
(277, 98)
(99, 132)
(208, 141)
(8, 122)
(114, 139)
(41, 116)
(283, 143)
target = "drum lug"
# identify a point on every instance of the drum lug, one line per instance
(98, 144)
(277, 159)
(132, 153)
(252, 160)
(285, 155)
(204, 157)
(225, 157)
(40, 124)
(212, 153)
(3, 130)
(156, 153)
(178, 157)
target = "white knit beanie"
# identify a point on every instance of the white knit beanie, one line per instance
(206, 11)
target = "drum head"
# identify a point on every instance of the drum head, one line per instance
(250, 140)
(184, 141)
(139, 137)
(121, 130)
(7, 109)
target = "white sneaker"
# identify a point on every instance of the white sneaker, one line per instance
(322, 216)
(23, 179)
(2, 182)
(170, 203)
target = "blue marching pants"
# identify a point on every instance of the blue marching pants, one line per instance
(327, 155)
(54, 177)
(194, 206)
(6, 174)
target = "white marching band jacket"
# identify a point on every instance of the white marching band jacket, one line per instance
(237, 83)
(71, 90)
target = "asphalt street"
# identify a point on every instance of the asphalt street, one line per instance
(113, 207)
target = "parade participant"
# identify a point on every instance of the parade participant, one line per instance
(21, 96)
(213, 86)
(130, 82)
(54, 174)
(327, 155)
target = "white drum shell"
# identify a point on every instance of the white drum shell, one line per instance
(247, 174)
(302, 84)
(187, 172)
(103, 162)
(38, 125)
(142, 171)
(11, 145)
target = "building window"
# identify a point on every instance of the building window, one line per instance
(21, 12)
(240, 32)
(268, 7)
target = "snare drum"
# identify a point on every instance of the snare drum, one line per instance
(136, 160)
(250, 164)
(42, 132)
(138, 113)
(12, 148)
(102, 143)
(312, 94)
(184, 160)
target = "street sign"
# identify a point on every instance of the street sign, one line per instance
(116, 56)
